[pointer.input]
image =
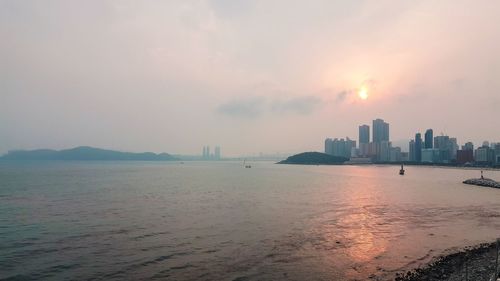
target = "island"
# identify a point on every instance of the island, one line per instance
(314, 158)
(85, 153)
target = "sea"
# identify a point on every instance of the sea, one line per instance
(70, 220)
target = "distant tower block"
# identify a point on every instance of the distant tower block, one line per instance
(217, 153)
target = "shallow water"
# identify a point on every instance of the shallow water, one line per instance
(220, 221)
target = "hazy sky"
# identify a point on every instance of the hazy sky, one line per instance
(251, 76)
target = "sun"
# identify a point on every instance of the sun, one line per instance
(363, 93)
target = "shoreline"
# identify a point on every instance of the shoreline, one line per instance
(477, 262)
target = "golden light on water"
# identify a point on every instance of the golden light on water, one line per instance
(363, 93)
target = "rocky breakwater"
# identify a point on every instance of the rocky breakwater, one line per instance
(483, 182)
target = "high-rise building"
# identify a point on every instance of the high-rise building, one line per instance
(395, 154)
(428, 138)
(382, 151)
(380, 131)
(468, 146)
(339, 147)
(430, 155)
(496, 148)
(204, 155)
(411, 154)
(484, 155)
(329, 146)
(465, 156)
(364, 140)
(217, 153)
(453, 146)
(364, 134)
(418, 147)
(447, 148)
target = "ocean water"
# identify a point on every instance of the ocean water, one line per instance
(220, 221)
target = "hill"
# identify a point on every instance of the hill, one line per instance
(314, 158)
(85, 153)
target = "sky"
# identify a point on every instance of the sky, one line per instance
(270, 76)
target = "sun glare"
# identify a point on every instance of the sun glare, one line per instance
(363, 93)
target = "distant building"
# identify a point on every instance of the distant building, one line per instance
(454, 147)
(217, 153)
(339, 147)
(205, 154)
(497, 153)
(405, 156)
(447, 148)
(428, 138)
(430, 155)
(383, 151)
(364, 140)
(484, 155)
(468, 146)
(411, 154)
(418, 147)
(465, 156)
(395, 154)
(329, 146)
(380, 131)
(364, 134)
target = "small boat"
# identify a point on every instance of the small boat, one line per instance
(402, 171)
(246, 166)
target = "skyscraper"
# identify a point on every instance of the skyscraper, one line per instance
(380, 131)
(429, 138)
(364, 134)
(217, 153)
(411, 155)
(364, 140)
(418, 147)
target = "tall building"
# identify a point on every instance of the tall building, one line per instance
(430, 155)
(364, 140)
(447, 148)
(428, 138)
(380, 131)
(217, 153)
(496, 148)
(329, 146)
(411, 154)
(395, 154)
(364, 134)
(465, 156)
(453, 146)
(339, 147)
(484, 155)
(418, 147)
(468, 146)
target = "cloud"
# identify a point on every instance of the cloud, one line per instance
(255, 106)
(247, 107)
(299, 105)
(342, 96)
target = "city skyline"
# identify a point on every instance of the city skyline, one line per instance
(249, 75)
(441, 149)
